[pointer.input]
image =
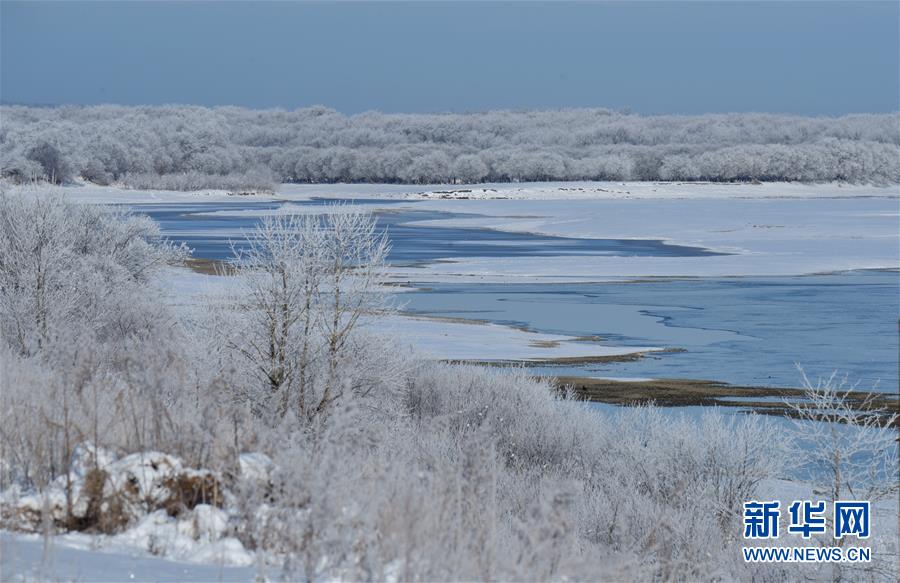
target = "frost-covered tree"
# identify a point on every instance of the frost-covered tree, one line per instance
(310, 282)
(850, 446)
(83, 336)
(55, 166)
(850, 452)
(469, 168)
(117, 410)
(238, 149)
(67, 267)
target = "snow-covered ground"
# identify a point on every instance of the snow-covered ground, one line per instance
(455, 340)
(126, 557)
(196, 543)
(438, 338)
(94, 194)
(90, 193)
(593, 191)
(765, 229)
(77, 557)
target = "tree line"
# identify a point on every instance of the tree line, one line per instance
(188, 147)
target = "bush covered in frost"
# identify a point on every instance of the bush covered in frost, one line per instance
(276, 423)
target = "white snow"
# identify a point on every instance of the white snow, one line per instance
(773, 229)
(137, 482)
(436, 338)
(94, 194)
(197, 539)
(285, 209)
(453, 340)
(255, 467)
(585, 191)
(80, 557)
(141, 483)
(90, 193)
(776, 236)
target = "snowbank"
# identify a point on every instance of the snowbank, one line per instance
(146, 503)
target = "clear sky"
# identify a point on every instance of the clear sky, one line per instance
(652, 57)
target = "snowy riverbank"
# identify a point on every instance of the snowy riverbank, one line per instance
(92, 193)
(437, 338)
(771, 229)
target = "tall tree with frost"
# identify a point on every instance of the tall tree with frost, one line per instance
(309, 280)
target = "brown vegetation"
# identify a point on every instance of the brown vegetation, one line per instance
(686, 392)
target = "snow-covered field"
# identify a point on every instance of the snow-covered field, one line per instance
(589, 191)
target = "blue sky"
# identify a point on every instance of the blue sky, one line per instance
(816, 58)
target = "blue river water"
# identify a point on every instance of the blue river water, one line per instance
(210, 234)
(749, 331)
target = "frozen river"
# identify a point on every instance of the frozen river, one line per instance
(209, 227)
(746, 331)
(740, 330)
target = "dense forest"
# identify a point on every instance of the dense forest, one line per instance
(186, 147)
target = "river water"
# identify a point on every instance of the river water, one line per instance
(749, 331)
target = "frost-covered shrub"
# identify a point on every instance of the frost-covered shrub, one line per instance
(20, 169)
(257, 180)
(849, 448)
(639, 480)
(88, 347)
(183, 431)
(67, 269)
(308, 286)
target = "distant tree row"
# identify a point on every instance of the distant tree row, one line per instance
(186, 147)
